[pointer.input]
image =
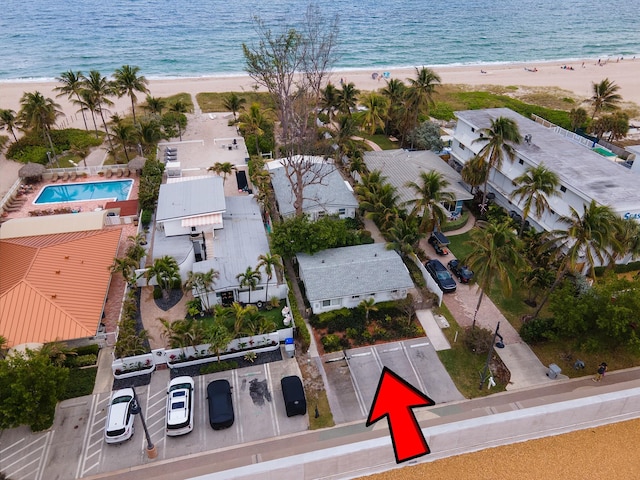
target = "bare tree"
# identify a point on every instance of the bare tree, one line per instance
(293, 66)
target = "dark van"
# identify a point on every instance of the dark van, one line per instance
(293, 393)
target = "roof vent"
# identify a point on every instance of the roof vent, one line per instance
(66, 257)
(54, 296)
(58, 272)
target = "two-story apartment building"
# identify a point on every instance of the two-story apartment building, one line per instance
(584, 174)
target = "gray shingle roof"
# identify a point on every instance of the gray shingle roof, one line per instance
(357, 270)
(332, 192)
(402, 166)
(190, 198)
(582, 169)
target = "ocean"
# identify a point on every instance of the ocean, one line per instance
(39, 39)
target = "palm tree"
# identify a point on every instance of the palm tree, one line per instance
(239, 314)
(57, 352)
(378, 199)
(395, 93)
(419, 95)
(368, 305)
(179, 108)
(149, 133)
(218, 337)
(72, 85)
(494, 255)
(475, 172)
(100, 89)
(403, 233)
(87, 102)
(234, 104)
(252, 122)
(605, 96)
(430, 192)
(224, 169)
(588, 238)
(166, 272)
(329, 100)
(202, 284)
(4, 342)
(127, 267)
(136, 248)
(342, 133)
(577, 117)
(376, 111)
(627, 236)
(40, 114)
(128, 82)
(498, 139)
(249, 278)
(534, 186)
(124, 133)
(155, 105)
(347, 98)
(270, 263)
(9, 121)
(182, 333)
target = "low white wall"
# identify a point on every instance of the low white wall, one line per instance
(431, 283)
(370, 456)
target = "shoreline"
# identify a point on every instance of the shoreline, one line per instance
(548, 75)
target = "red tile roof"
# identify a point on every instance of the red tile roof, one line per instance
(53, 287)
(128, 208)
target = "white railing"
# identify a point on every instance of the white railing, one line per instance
(9, 195)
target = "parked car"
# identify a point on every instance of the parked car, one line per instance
(461, 271)
(119, 427)
(441, 275)
(295, 402)
(220, 404)
(437, 245)
(180, 406)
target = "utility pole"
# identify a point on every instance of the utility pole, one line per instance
(485, 373)
(152, 451)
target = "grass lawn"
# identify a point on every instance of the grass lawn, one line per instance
(325, 418)
(381, 140)
(214, 101)
(463, 366)
(458, 245)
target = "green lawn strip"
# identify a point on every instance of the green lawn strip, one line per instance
(318, 399)
(381, 140)
(463, 366)
(214, 101)
(458, 245)
(81, 382)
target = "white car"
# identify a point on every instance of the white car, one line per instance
(180, 406)
(119, 425)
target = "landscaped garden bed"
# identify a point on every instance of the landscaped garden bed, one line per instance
(373, 324)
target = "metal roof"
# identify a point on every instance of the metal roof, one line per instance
(190, 198)
(357, 270)
(52, 224)
(577, 167)
(403, 166)
(54, 287)
(330, 192)
(239, 244)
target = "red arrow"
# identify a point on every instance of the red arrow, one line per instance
(394, 399)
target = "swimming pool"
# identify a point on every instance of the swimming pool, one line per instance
(604, 152)
(79, 192)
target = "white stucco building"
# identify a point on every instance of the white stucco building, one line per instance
(584, 174)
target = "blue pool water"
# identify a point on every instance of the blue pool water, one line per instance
(78, 192)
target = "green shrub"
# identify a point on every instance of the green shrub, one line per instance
(81, 383)
(538, 330)
(331, 343)
(302, 331)
(146, 217)
(84, 360)
(88, 349)
(477, 340)
(214, 367)
(157, 293)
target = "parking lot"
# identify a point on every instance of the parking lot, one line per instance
(352, 382)
(74, 447)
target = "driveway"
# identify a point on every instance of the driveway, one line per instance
(352, 380)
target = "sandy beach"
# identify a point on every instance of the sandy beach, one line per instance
(625, 73)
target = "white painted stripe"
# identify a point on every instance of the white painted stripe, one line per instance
(365, 354)
(415, 345)
(272, 403)
(421, 384)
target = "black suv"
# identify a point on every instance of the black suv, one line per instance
(441, 276)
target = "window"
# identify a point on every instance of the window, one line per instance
(355, 296)
(461, 146)
(326, 303)
(521, 162)
(563, 188)
(342, 211)
(193, 229)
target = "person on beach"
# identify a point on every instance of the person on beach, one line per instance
(602, 368)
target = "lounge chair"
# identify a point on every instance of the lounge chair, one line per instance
(73, 176)
(109, 173)
(54, 177)
(65, 176)
(119, 173)
(127, 172)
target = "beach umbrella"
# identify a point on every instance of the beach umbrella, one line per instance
(32, 170)
(136, 163)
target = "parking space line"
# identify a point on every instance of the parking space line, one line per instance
(45, 455)
(13, 446)
(236, 395)
(30, 451)
(422, 386)
(22, 467)
(202, 412)
(416, 345)
(272, 403)
(356, 387)
(377, 358)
